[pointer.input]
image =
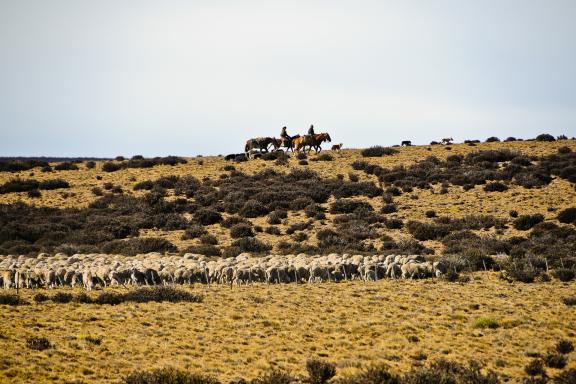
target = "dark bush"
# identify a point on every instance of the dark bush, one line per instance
(508, 139)
(535, 368)
(513, 213)
(569, 301)
(207, 216)
(66, 166)
(231, 221)
(394, 223)
(447, 372)
(564, 274)
(208, 239)
(430, 214)
(38, 343)
(136, 246)
(495, 187)
(424, 231)
(54, 184)
(349, 206)
(253, 208)
(525, 222)
(324, 157)
(300, 203)
(168, 376)
(203, 249)
(564, 150)
(378, 151)
(144, 185)
(241, 230)
(90, 165)
(566, 377)
(34, 194)
(545, 137)
(567, 216)
(62, 297)
(40, 298)
(111, 167)
(378, 374)
(555, 360)
(10, 299)
(492, 139)
(251, 244)
(389, 208)
(21, 165)
(19, 185)
(275, 217)
(194, 231)
(319, 372)
(564, 347)
(273, 231)
(274, 377)
(302, 162)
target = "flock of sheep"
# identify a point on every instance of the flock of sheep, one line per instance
(157, 269)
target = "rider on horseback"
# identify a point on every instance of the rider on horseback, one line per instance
(311, 130)
(284, 135)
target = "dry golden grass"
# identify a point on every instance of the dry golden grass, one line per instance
(244, 330)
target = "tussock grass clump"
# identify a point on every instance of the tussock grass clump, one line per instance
(168, 376)
(38, 343)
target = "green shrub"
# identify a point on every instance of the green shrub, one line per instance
(486, 322)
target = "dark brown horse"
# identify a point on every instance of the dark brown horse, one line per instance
(262, 144)
(311, 141)
(287, 143)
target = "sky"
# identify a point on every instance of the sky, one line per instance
(125, 77)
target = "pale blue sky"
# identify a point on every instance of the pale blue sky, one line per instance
(110, 77)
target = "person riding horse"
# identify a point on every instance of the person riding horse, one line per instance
(285, 136)
(311, 130)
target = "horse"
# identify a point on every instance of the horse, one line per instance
(287, 143)
(447, 140)
(406, 143)
(261, 143)
(311, 141)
